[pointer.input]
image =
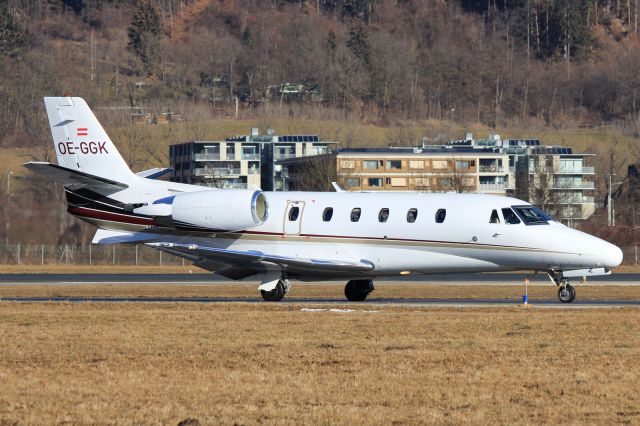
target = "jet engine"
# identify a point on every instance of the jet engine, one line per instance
(218, 210)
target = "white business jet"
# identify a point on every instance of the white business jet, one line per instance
(308, 236)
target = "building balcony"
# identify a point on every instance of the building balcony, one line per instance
(490, 169)
(215, 172)
(574, 171)
(574, 185)
(492, 186)
(250, 157)
(285, 156)
(207, 157)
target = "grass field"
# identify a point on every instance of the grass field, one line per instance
(127, 363)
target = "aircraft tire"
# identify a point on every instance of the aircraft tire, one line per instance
(358, 290)
(274, 295)
(566, 293)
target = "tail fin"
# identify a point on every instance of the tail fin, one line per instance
(80, 142)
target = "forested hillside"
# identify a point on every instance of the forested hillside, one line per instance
(538, 66)
(497, 62)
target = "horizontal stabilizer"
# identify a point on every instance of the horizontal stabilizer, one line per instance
(154, 173)
(74, 179)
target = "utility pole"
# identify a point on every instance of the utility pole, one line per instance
(609, 210)
(6, 210)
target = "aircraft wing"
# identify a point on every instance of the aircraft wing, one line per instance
(73, 179)
(239, 264)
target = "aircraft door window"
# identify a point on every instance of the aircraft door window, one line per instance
(355, 214)
(441, 214)
(510, 217)
(327, 214)
(494, 217)
(412, 215)
(294, 213)
(383, 216)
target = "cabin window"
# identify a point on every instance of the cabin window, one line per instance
(383, 216)
(355, 214)
(494, 217)
(294, 213)
(441, 214)
(412, 215)
(327, 214)
(510, 217)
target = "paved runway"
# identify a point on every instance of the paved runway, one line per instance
(450, 279)
(199, 279)
(469, 303)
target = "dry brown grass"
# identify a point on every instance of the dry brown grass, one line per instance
(246, 364)
(100, 269)
(322, 291)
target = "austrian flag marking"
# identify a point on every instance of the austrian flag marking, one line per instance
(83, 131)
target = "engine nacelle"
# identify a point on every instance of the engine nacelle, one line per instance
(227, 210)
(220, 209)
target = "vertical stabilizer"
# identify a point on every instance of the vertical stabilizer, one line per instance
(80, 141)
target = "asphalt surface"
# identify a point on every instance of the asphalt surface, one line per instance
(337, 302)
(199, 279)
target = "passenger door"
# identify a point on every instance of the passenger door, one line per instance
(293, 217)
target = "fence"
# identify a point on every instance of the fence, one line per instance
(138, 255)
(40, 254)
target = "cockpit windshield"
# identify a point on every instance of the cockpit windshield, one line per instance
(531, 215)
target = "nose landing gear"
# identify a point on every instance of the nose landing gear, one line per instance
(566, 292)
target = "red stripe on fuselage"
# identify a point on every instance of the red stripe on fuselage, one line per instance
(114, 217)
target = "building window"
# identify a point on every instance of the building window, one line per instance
(416, 164)
(355, 214)
(445, 183)
(439, 164)
(441, 214)
(394, 164)
(347, 164)
(412, 215)
(353, 182)
(377, 182)
(370, 164)
(462, 165)
(398, 182)
(294, 213)
(327, 214)
(383, 216)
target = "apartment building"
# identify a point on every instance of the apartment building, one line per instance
(553, 178)
(243, 161)
(420, 169)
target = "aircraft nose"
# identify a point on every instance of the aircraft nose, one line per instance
(611, 255)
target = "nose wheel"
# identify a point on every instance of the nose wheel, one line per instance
(566, 293)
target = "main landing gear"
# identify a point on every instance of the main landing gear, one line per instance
(274, 291)
(358, 290)
(566, 292)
